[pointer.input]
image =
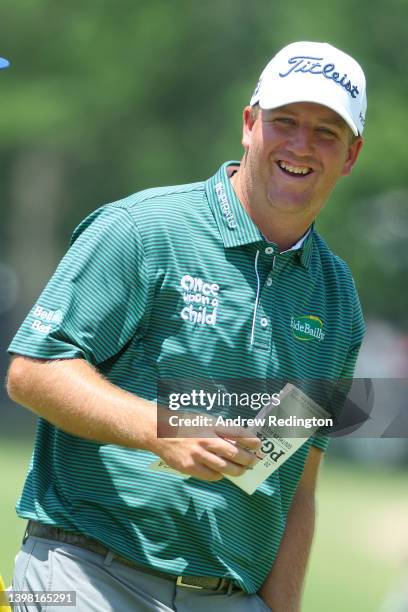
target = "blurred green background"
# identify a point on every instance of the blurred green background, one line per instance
(106, 98)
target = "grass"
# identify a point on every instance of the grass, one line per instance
(14, 459)
(361, 539)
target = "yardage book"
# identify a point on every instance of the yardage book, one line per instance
(282, 429)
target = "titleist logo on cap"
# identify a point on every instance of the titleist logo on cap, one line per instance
(314, 65)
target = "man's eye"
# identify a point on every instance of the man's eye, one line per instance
(285, 120)
(327, 132)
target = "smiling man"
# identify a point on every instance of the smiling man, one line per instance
(295, 155)
(225, 278)
(301, 133)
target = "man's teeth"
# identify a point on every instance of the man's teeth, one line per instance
(294, 169)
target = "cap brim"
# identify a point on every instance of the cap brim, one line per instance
(289, 96)
(4, 63)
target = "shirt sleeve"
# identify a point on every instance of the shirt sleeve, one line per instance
(97, 299)
(357, 335)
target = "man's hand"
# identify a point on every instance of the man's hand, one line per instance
(73, 396)
(221, 451)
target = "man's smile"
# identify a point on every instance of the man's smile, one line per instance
(293, 170)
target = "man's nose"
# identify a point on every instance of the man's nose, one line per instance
(301, 141)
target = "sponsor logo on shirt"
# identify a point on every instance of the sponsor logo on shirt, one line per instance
(225, 205)
(45, 319)
(307, 327)
(202, 300)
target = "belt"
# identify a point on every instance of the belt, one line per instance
(50, 532)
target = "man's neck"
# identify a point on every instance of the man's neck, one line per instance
(282, 229)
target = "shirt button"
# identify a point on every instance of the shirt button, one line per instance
(269, 281)
(264, 322)
(269, 250)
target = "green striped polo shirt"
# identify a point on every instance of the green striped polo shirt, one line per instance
(168, 283)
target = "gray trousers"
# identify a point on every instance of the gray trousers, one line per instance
(102, 584)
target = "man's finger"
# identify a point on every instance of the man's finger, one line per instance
(239, 436)
(230, 450)
(223, 465)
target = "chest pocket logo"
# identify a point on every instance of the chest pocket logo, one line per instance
(307, 328)
(202, 299)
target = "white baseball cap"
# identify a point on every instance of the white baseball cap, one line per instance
(315, 72)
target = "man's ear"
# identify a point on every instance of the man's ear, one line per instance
(353, 153)
(248, 120)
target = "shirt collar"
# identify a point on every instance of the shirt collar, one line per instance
(300, 242)
(234, 224)
(305, 254)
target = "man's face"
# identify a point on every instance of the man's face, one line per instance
(295, 155)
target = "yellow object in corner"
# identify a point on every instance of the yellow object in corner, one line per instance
(4, 607)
